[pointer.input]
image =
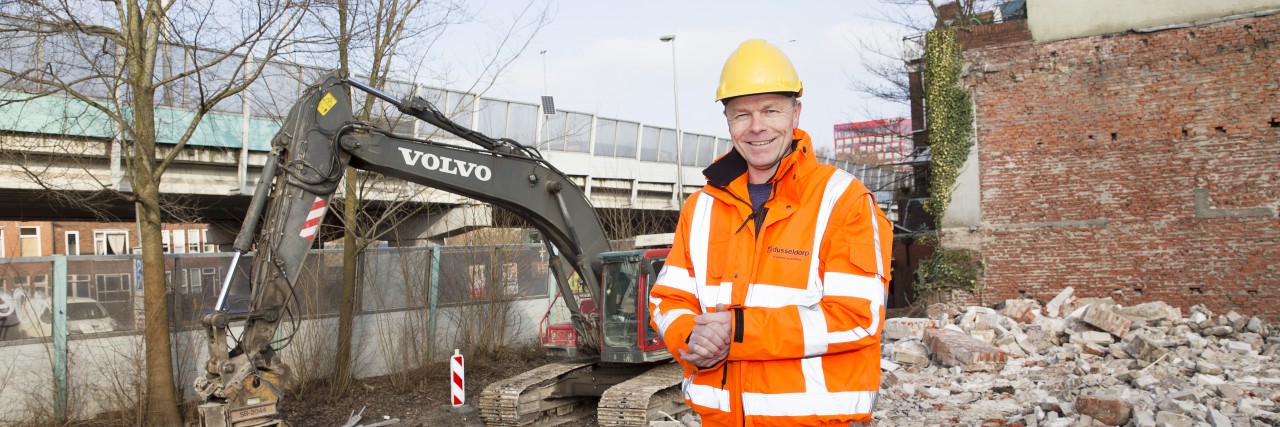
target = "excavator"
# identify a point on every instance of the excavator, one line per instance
(625, 376)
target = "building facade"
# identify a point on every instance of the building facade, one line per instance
(887, 141)
(46, 238)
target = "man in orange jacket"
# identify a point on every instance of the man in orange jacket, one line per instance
(772, 297)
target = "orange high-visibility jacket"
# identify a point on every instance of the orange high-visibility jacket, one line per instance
(807, 293)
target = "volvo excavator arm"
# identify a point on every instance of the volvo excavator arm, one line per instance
(319, 138)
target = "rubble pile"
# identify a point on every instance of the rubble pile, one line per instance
(1079, 362)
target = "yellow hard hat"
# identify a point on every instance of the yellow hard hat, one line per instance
(757, 67)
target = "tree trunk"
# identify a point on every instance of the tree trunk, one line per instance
(140, 54)
(350, 263)
(350, 210)
(162, 404)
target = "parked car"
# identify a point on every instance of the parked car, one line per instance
(84, 316)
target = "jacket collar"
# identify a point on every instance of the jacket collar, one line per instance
(731, 167)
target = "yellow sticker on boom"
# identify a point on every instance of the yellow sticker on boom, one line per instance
(326, 103)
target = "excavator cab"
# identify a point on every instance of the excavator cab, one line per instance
(623, 311)
(627, 336)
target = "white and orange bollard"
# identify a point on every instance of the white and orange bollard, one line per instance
(457, 389)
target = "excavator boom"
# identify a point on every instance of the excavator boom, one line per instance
(309, 155)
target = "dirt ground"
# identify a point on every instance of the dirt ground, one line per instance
(424, 403)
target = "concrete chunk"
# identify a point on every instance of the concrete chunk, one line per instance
(910, 352)
(1092, 337)
(1207, 368)
(1060, 304)
(1145, 349)
(1170, 419)
(960, 350)
(985, 335)
(979, 318)
(1237, 347)
(1208, 380)
(1145, 381)
(1196, 341)
(1149, 311)
(1217, 331)
(904, 327)
(1230, 392)
(1254, 325)
(1218, 419)
(1144, 419)
(1094, 349)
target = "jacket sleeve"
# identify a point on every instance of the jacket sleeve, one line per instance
(855, 253)
(673, 300)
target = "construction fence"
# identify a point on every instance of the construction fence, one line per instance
(414, 306)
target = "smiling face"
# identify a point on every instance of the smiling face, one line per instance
(761, 127)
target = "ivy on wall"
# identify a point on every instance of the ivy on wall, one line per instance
(948, 269)
(948, 114)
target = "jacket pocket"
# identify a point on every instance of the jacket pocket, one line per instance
(698, 391)
(863, 256)
(717, 256)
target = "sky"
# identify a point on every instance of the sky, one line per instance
(605, 57)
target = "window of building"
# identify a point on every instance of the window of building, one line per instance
(113, 282)
(626, 137)
(79, 284)
(113, 286)
(606, 130)
(198, 278)
(193, 241)
(689, 149)
(164, 242)
(578, 134)
(179, 242)
(667, 146)
(553, 131)
(28, 241)
(208, 247)
(111, 242)
(73, 242)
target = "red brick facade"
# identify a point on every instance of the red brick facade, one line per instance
(1138, 166)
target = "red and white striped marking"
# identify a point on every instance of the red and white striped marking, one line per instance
(456, 388)
(313, 219)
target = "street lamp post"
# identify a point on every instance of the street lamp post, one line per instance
(678, 195)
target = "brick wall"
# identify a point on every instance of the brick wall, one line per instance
(980, 36)
(1138, 166)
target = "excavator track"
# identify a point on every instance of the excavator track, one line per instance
(572, 391)
(530, 397)
(653, 395)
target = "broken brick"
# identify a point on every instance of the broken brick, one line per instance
(1112, 411)
(1107, 320)
(957, 349)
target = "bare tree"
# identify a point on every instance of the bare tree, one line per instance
(114, 62)
(885, 60)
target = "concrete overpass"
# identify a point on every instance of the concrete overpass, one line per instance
(624, 166)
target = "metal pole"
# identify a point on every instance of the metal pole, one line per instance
(60, 338)
(675, 89)
(433, 294)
